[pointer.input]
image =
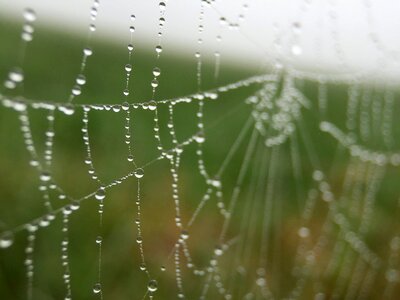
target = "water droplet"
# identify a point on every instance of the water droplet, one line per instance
(318, 175)
(216, 183)
(162, 6)
(97, 288)
(296, 27)
(100, 194)
(16, 75)
(29, 15)
(184, 234)
(87, 51)
(260, 281)
(130, 157)
(76, 90)
(92, 27)
(28, 28)
(45, 176)
(159, 49)
(99, 239)
(26, 36)
(19, 106)
(128, 67)
(67, 109)
(200, 138)
(296, 50)
(93, 13)
(152, 286)
(154, 83)
(75, 205)
(67, 210)
(132, 29)
(303, 232)
(139, 173)
(142, 267)
(6, 240)
(223, 21)
(8, 84)
(62, 196)
(81, 79)
(31, 227)
(133, 17)
(34, 162)
(125, 106)
(162, 268)
(126, 92)
(130, 47)
(218, 251)
(152, 105)
(156, 71)
(139, 240)
(116, 108)
(44, 222)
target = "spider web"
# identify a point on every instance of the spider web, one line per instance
(301, 203)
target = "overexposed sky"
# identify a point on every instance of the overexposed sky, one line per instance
(317, 36)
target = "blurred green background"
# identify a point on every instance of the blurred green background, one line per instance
(51, 63)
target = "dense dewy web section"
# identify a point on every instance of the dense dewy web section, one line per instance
(270, 187)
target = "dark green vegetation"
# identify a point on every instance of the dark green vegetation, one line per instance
(51, 64)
